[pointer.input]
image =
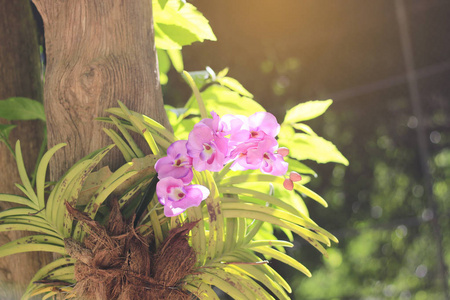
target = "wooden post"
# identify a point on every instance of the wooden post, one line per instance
(98, 52)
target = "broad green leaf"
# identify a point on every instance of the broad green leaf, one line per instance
(234, 85)
(163, 65)
(182, 129)
(296, 166)
(183, 24)
(304, 146)
(163, 78)
(163, 41)
(179, 34)
(19, 108)
(223, 101)
(305, 128)
(163, 61)
(286, 131)
(306, 111)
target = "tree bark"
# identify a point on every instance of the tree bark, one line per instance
(98, 52)
(20, 74)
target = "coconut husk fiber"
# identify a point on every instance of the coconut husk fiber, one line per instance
(117, 262)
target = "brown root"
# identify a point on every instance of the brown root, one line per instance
(116, 262)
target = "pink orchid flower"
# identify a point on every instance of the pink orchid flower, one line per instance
(207, 149)
(231, 127)
(177, 163)
(177, 197)
(261, 156)
(261, 124)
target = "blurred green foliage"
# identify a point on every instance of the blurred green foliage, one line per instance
(350, 52)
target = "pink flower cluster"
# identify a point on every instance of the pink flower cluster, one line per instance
(249, 143)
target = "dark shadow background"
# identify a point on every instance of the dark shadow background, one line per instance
(390, 207)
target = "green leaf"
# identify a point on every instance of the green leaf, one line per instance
(182, 129)
(306, 111)
(177, 59)
(163, 61)
(223, 73)
(16, 225)
(295, 165)
(163, 41)
(45, 271)
(23, 174)
(41, 173)
(223, 101)
(200, 78)
(19, 108)
(284, 258)
(33, 243)
(183, 25)
(304, 146)
(163, 3)
(201, 290)
(234, 85)
(305, 128)
(18, 200)
(5, 130)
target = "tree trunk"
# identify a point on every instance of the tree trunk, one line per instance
(20, 75)
(98, 52)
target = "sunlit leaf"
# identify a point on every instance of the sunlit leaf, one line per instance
(182, 24)
(177, 59)
(313, 147)
(163, 41)
(163, 61)
(306, 111)
(234, 85)
(163, 3)
(303, 127)
(199, 77)
(223, 101)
